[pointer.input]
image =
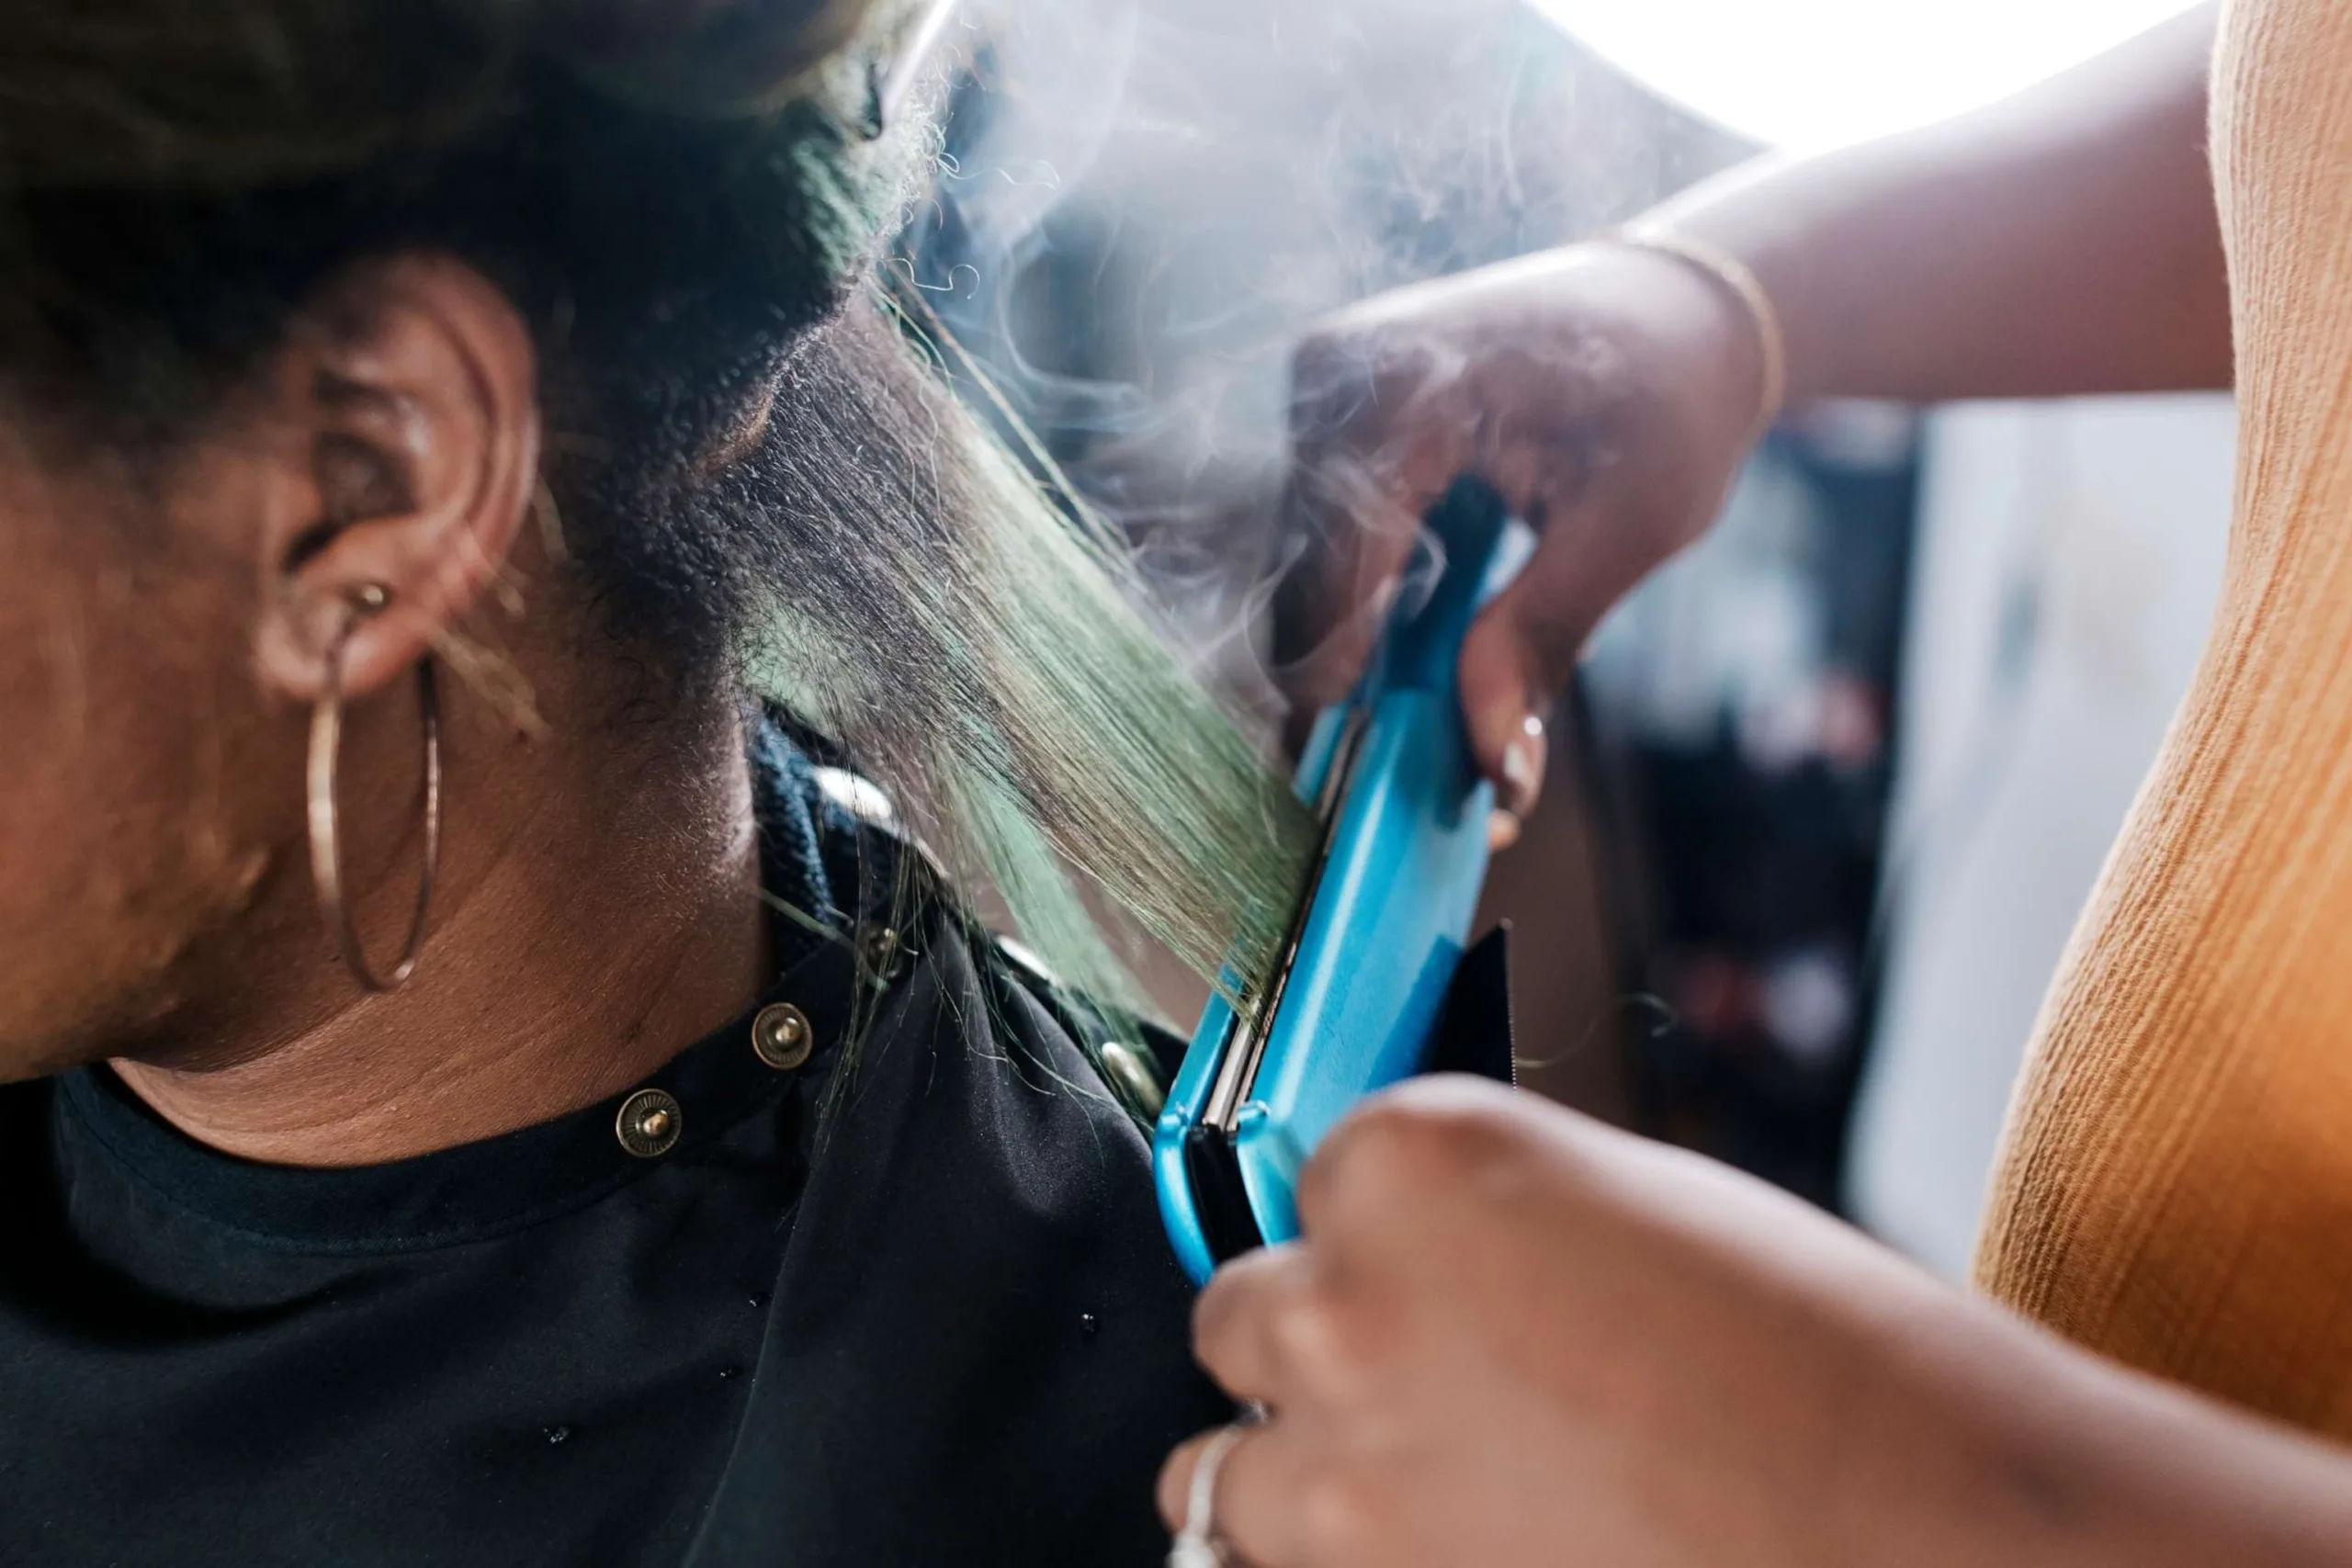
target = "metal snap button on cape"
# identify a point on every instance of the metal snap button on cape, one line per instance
(650, 1123)
(782, 1036)
(880, 953)
(1131, 1076)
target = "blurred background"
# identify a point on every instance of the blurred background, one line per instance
(1831, 787)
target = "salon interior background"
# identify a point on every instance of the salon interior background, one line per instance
(1842, 775)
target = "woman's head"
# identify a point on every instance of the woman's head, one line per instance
(305, 300)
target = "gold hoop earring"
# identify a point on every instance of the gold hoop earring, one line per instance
(326, 830)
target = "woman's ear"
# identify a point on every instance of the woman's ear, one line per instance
(410, 404)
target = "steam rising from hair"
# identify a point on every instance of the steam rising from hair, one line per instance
(1156, 199)
(974, 647)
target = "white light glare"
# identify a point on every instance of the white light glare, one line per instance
(1806, 74)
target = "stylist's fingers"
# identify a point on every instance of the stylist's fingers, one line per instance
(1520, 656)
(1509, 683)
(1383, 420)
(1601, 529)
(1352, 508)
(1368, 466)
(1254, 1328)
(1174, 1490)
(1263, 1509)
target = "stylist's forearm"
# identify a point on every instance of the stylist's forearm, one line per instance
(2062, 242)
(1990, 1441)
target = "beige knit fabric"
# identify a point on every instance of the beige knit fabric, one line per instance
(2176, 1187)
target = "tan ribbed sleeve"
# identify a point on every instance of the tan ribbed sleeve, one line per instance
(2176, 1186)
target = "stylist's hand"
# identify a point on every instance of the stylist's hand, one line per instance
(1608, 392)
(1511, 1336)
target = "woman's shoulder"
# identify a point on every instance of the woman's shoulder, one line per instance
(973, 1059)
(978, 1237)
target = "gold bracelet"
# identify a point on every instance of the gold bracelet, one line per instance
(1731, 273)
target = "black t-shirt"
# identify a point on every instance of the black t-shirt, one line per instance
(907, 1303)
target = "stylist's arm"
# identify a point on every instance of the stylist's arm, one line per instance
(2063, 242)
(1509, 1336)
(1512, 1338)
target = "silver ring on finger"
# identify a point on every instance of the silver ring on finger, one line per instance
(1197, 1544)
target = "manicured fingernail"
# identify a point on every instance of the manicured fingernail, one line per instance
(1523, 771)
(1503, 828)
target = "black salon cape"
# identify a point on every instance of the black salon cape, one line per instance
(938, 1328)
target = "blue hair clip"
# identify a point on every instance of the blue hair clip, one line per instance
(1371, 988)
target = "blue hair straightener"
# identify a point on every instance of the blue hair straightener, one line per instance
(1375, 983)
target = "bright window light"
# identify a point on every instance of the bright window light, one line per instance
(1812, 73)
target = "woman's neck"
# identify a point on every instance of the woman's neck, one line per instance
(601, 914)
